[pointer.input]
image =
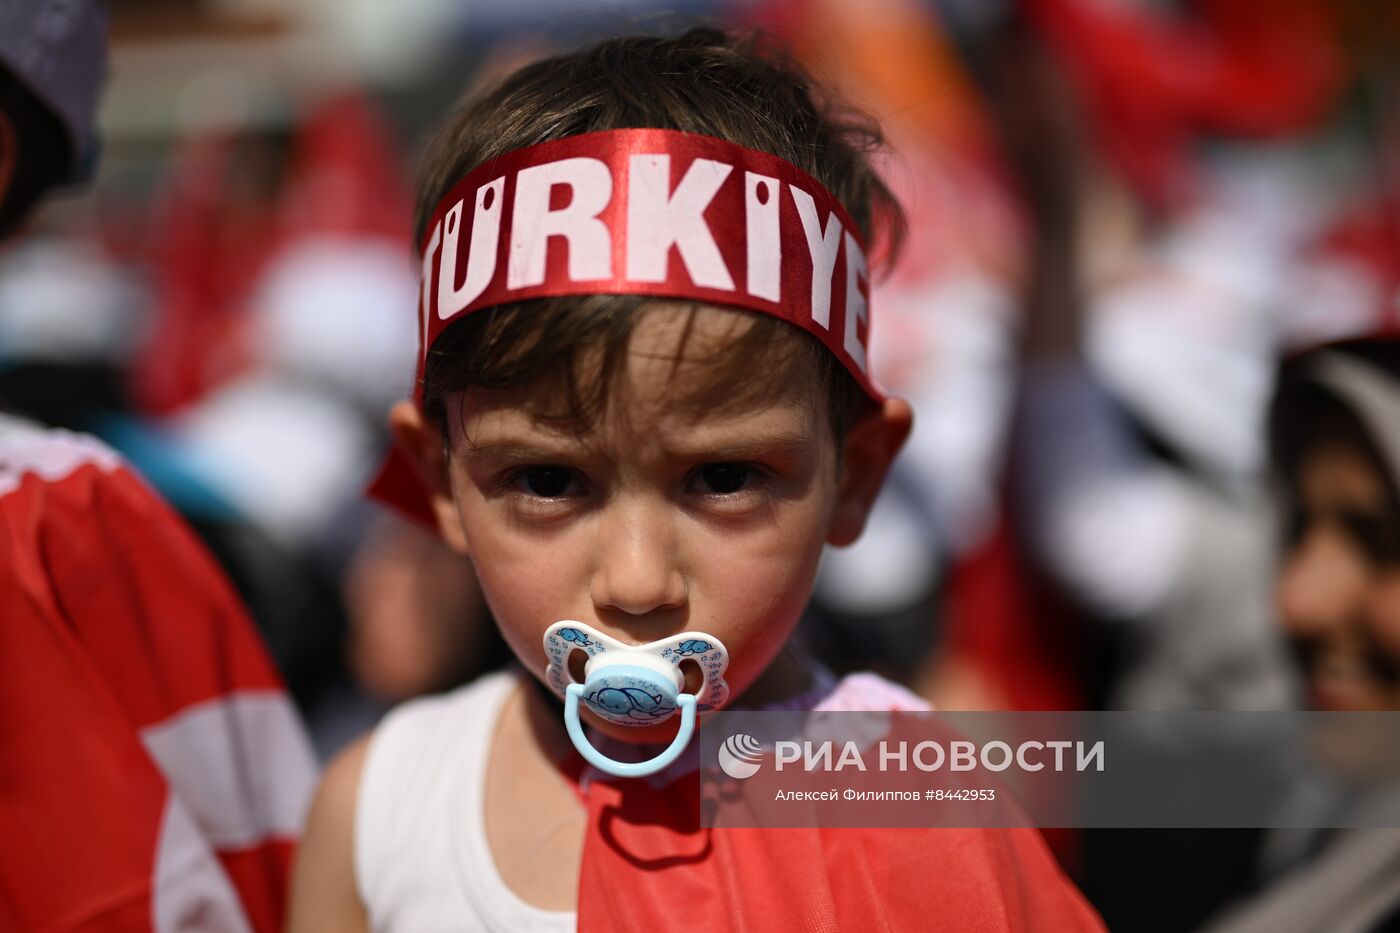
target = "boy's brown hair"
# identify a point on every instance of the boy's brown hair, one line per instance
(740, 88)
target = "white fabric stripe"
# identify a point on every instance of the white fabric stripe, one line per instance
(191, 891)
(50, 454)
(242, 764)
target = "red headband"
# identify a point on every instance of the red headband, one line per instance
(641, 212)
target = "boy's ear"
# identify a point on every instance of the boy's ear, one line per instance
(870, 448)
(422, 443)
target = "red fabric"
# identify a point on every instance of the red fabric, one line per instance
(1238, 67)
(112, 619)
(229, 209)
(1023, 648)
(346, 175)
(647, 866)
(1370, 238)
(260, 874)
(1017, 645)
(214, 239)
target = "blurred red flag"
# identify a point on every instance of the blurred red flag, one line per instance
(234, 202)
(153, 773)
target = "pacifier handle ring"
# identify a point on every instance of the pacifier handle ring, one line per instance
(603, 763)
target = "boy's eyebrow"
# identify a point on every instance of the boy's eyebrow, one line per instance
(785, 444)
(778, 443)
(512, 449)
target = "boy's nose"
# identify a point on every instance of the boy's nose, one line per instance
(636, 570)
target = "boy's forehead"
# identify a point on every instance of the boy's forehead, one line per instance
(690, 330)
(496, 423)
(675, 375)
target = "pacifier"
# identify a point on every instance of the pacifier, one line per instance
(634, 685)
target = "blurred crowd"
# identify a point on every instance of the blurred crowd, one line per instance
(1147, 313)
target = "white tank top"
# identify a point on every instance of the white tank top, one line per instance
(422, 862)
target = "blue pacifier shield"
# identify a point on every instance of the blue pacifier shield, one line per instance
(634, 685)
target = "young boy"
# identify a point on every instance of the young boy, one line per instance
(644, 406)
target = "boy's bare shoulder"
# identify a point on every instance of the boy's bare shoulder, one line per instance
(340, 782)
(324, 893)
(418, 724)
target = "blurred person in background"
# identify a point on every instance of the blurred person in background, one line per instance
(417, 620)
(1334, 433)
(1192, 182)
(153, 772)
(1146, 346)
(1153, 571)
(1335, 430)
(1178, 172)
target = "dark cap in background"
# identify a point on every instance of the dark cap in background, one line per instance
(58, 49)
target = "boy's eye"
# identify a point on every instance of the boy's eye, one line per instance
(547, 482)
(724, 478)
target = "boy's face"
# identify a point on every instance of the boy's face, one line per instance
(666, 516)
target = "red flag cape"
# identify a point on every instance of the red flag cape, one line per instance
(153, 774)
(648, 865)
